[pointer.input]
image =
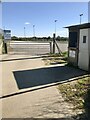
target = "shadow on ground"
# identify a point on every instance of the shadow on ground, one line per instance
(45, 76)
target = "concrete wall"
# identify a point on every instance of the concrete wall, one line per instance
(83, 60)
(72, 56)
(89, 46)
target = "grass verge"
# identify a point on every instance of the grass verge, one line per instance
(77, 93)
(56, 58)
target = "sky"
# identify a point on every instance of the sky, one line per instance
(0, 15)
(19, 15)
(89, 11)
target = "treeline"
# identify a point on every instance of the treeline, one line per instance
(58, 38)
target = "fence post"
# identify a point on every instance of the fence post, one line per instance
(53, 43)
(51, 47)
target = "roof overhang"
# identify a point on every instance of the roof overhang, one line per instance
(80, 26)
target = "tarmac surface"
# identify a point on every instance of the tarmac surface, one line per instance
(29, 88)
(34, 48)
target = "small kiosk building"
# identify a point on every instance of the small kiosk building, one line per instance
(79, 46)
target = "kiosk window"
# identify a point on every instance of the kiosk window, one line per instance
(73, 39)
(84, 39)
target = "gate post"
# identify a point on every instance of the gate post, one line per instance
(5, 47)
(51, 50)
(53, 43)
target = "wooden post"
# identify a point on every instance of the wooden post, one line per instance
(51, 47)
(54, 43)
(60, 52)
(5, 46)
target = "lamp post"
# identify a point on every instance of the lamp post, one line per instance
(24, 32)
(26, 23)
(55, 26)
(33, 30)
(80, 17)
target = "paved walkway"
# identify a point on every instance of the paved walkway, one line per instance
(13, 63)
(27, 88)
(43, 103)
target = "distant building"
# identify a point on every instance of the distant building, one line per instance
(79, 46)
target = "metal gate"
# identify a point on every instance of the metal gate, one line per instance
(29, 48)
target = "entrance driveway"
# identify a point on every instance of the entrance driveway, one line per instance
(28, 91)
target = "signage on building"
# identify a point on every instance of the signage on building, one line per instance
(72, 53)
(7, 35)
